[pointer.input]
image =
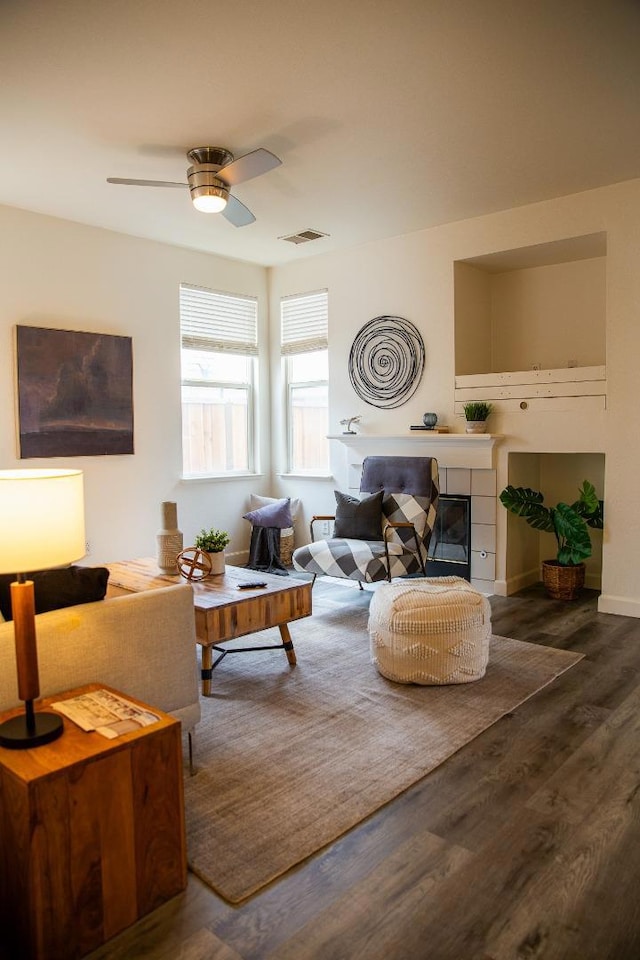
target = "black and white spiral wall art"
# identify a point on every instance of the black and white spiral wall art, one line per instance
(386, 361)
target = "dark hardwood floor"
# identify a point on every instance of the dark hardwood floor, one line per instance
(524, 845)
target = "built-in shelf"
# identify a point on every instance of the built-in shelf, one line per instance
(538, 309)
(580, 386)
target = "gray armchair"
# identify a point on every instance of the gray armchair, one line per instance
(395, 516)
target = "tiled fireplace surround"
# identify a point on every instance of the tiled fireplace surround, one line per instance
(465, 464)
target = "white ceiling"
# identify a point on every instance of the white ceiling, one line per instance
(389, 115)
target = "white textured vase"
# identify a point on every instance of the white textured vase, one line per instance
(217, 563)
(169, 540)
(476, 426)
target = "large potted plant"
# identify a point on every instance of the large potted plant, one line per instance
(564, 576)
(213, 543)
(476, 414)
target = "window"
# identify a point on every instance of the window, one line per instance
(306, 374)
(219, 336)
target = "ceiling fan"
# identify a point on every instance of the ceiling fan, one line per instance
(212, 172)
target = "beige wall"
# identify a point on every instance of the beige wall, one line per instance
(553, 316)
(68, 276)
(413, 276)
(523, 557)
(473, 319)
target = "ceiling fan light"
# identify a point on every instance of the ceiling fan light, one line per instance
(208, 192)
(209, 200)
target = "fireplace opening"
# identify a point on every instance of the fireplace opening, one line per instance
(450, 546)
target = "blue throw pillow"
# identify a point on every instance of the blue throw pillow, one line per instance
(277, 514)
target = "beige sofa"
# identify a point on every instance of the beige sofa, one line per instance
(142, 644)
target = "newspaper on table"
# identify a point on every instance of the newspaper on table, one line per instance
(106, 713)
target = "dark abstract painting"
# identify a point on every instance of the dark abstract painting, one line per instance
(75, 393)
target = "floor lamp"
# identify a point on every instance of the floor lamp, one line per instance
(42, 524)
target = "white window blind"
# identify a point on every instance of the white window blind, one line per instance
(305, 322)
(221, 322)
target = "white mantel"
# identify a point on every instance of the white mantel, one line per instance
(473, 450)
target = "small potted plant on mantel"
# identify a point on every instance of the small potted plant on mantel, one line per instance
(213, 543)
(563, 577)
(476, 414)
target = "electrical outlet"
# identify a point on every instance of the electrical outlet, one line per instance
(87, 548)
(326, 528)
(536, 366)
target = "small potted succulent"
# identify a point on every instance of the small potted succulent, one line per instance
(213, 543)
(476, 414)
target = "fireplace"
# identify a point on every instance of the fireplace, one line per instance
(450, 545)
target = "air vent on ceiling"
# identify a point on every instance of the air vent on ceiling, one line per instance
(304, 236)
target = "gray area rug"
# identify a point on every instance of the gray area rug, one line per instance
(288, 759)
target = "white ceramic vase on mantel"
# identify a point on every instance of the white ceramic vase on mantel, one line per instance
(476, 426)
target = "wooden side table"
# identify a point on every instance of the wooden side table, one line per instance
(92, 835)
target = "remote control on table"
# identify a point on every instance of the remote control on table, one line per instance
(251, 586)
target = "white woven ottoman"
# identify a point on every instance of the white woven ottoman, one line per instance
(430, 631)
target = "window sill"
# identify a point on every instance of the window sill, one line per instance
(305, 476)
(208, 477)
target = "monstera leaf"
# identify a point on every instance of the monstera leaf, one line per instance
(588, 506)
(528, 503)
(574, 542)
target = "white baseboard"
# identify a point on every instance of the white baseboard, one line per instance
(621, 606)
(237, 559)
(504, 588)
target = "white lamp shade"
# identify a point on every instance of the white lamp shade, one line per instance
(41, 519)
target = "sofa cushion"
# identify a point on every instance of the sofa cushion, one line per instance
(94, 642)
(60, 587)
(358, 519)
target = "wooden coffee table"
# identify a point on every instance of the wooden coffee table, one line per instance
(224, 612)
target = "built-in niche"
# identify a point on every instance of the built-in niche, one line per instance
(530, 323)
(558, 477)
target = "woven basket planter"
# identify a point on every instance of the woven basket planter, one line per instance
(562, 583)
(286, 545)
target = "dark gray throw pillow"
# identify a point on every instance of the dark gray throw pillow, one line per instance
(358, 519)
(60, 587)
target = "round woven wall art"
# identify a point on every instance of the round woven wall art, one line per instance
(386, 361)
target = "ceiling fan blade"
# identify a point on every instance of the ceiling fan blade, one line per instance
(251, 165)
(146, 183)
(237, 214)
